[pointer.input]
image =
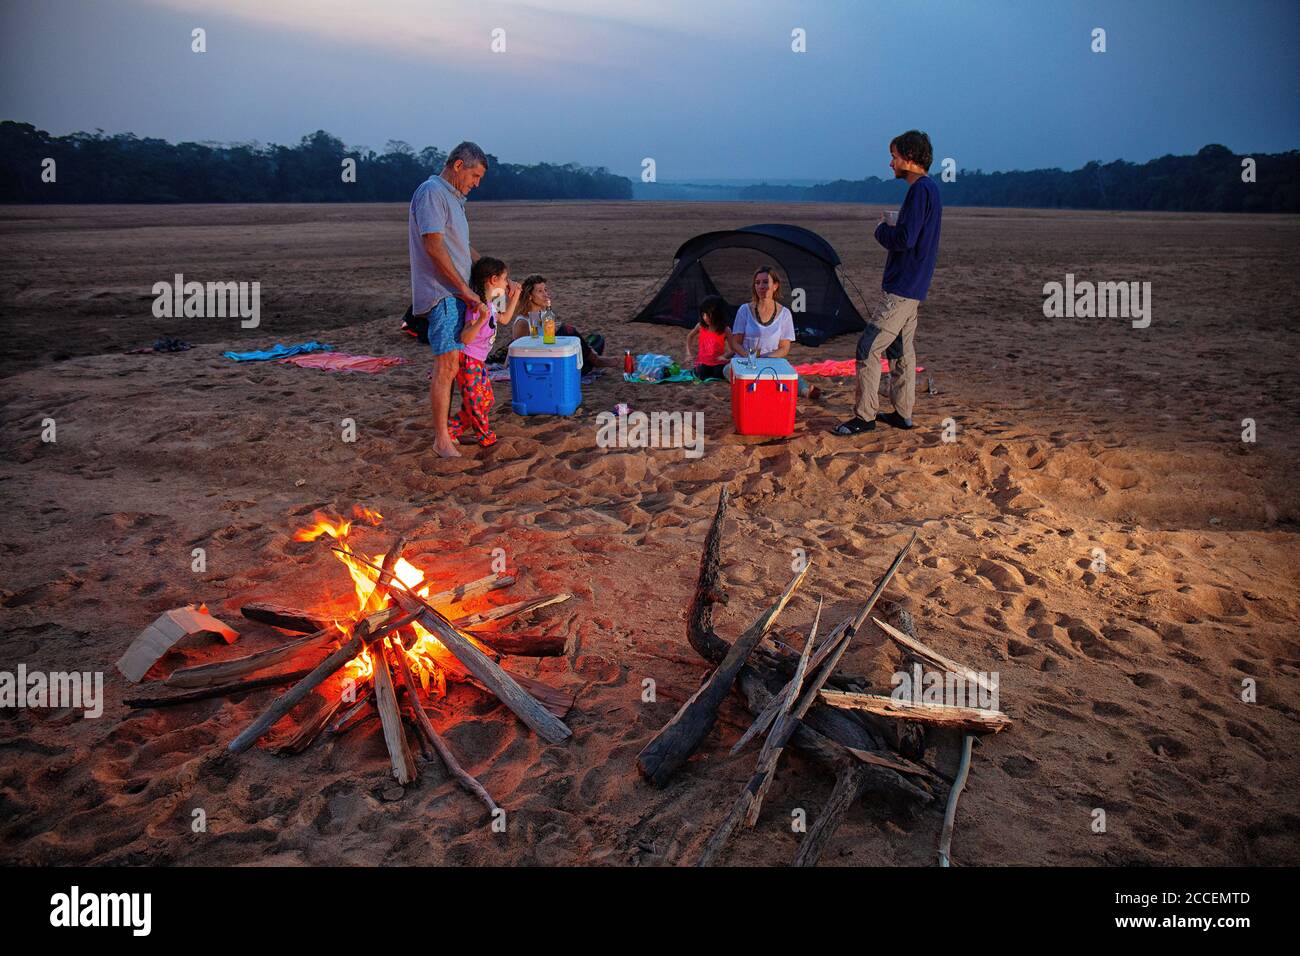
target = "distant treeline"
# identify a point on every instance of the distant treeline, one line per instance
(95, 168)
(1210, 181)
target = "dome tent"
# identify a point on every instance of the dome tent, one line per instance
(723, 263)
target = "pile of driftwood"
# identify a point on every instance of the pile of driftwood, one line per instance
(869, 740)
(383, 630)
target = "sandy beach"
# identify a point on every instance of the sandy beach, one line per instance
(1125, 684)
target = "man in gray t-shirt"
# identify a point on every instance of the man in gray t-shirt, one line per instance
(441, 256)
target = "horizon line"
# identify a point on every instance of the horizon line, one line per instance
(802, 181)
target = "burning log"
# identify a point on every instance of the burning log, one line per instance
(938, 715)
(285, 618)
(204, 675)
(670, 748)
(304, 622)
(222, 690)
(355, 714)
(426, 728)
(362, 635)
(485, 670)
(390, 716)
(463, 592)
(375, 600)
(509, 610)
(556, 700)
(524, 645)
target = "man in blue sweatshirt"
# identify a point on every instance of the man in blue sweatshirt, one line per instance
(913, 246)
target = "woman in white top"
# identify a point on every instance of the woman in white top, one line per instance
(763, 327)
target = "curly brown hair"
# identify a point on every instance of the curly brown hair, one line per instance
(914, 146)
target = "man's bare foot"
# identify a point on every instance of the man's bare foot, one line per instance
(447, 449)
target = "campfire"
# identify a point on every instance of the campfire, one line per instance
(386, 648)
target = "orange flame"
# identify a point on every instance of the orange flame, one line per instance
(423, 655)
(368, 515)
(323, 526)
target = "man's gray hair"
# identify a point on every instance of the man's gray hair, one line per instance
(471, 154)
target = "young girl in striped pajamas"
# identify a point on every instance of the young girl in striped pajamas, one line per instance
(489, 279)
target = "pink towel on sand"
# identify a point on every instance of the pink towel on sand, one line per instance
(343, 362)
(834, 368)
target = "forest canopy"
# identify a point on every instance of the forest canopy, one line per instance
(123, 168)
(1210, 181)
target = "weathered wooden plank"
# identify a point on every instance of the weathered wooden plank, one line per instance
(938, 715)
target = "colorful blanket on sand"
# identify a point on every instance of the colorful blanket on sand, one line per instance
(278, 351)
(343, 362)
(837, 368)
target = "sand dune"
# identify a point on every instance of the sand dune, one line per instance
(1073, 435)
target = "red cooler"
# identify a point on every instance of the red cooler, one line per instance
(763, 395)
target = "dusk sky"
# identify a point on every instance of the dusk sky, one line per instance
(708, 89)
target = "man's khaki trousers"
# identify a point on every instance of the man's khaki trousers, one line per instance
(895, 317)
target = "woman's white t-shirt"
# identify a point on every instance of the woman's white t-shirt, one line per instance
(769, 336)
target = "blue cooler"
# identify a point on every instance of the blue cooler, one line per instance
(545, 379)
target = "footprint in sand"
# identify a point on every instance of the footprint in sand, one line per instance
(1165, 746)
(1018, 648)
(1002, 576)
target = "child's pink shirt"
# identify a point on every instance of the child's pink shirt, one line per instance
(482, 344)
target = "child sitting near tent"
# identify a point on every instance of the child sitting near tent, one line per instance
(710, 339)
(488, 278)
